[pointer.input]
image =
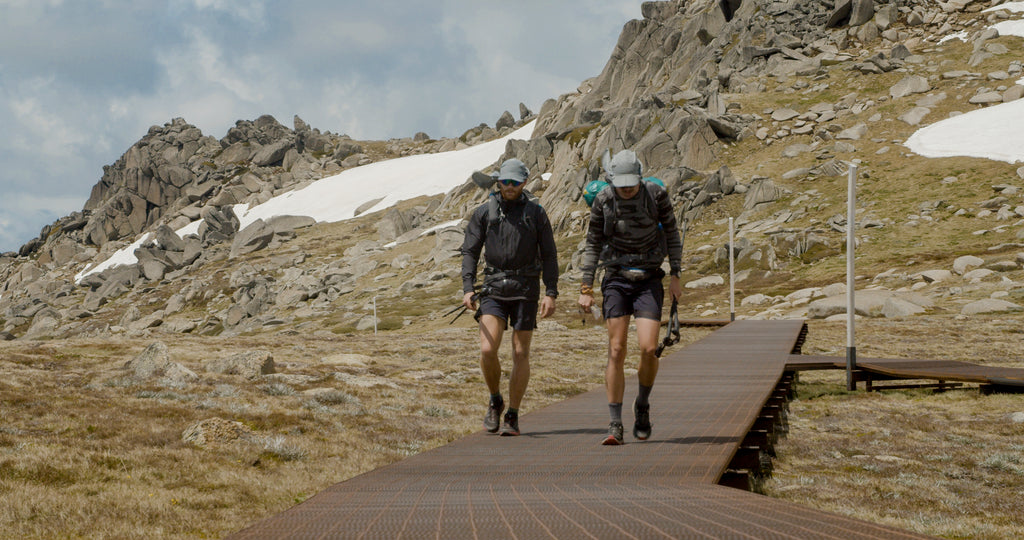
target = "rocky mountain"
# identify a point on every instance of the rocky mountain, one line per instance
(745, 108)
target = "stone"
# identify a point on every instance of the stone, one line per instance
(854, 133)
(1013, 93)
(934, 276)
(251, 365)
(154, 361)
(215, 431)
(706, 282)
(755, 300)
(989, 305)
(986, 98)
(256, 236)
(913, 84)
(867, 303)
(978, 274)
(962, 264)
(782, 115)
(505, 121)
(914, 116)
(861, 12)
(898, 308)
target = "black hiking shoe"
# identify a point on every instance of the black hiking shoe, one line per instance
(642, 424)
(493, 418)
(614, 434)
(510, 427)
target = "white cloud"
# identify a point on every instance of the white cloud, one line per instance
(251, 11)
(201, 65)
(23, 215)
(49, 132)
(80, 82)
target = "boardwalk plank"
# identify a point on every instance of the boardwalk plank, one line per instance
(557, 481)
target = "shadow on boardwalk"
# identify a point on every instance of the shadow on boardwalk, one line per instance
(714, 409)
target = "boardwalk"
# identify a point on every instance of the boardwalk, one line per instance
(557, 481)
(884, 369)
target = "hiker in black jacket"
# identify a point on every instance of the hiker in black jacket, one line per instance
(519, 247)
(632, 230)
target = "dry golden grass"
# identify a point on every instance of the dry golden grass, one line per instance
(85, 451)
(948, 464)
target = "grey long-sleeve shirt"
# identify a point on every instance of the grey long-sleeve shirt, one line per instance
(636, 228)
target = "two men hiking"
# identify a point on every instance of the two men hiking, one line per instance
(632, 230)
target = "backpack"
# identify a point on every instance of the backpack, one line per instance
(610, 211)
(494, 212)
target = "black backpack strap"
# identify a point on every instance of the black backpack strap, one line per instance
(494, 212)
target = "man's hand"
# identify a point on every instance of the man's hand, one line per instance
(468, 301)
(547, 307)
(585, 301)
(675, 289)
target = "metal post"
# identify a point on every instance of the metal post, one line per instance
(851, 243)
(732, 271)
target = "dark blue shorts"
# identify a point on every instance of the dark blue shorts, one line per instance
(642, 299)
(521, 314)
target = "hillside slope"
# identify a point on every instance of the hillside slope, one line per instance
(229, 374)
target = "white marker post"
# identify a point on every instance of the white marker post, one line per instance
(851, 243)
(732, 271)
(375, 315)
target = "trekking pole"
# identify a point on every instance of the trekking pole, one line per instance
(672, 331)
(464, 309)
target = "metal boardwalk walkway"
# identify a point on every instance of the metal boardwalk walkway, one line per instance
(870, 370)
(557, 481)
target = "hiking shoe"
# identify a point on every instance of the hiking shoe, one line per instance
(493, 418)
(642, 424)
(614, 434)
(510, 427)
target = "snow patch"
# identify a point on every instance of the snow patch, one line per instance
(337, 197)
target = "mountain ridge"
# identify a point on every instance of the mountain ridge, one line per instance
(688, 86)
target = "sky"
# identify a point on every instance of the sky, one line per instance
(83, 80)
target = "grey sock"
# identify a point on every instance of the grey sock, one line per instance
(616, 411)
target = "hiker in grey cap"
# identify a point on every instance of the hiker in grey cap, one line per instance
(519, 247)
(632, 230)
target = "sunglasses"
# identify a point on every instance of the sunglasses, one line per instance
(513, 183)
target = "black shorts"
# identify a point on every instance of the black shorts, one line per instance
(521, 314)
(642, 299)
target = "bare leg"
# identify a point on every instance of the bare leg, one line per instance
(491, 330)
(647, 337)
(614, 377)
(520, 376)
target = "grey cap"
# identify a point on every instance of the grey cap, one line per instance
(513, 169)
(625, 169)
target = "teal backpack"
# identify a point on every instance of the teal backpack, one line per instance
(594, 187)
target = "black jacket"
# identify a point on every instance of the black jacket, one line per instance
(520, 240)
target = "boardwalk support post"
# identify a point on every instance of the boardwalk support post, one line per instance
(732, 271)
(851, 243)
